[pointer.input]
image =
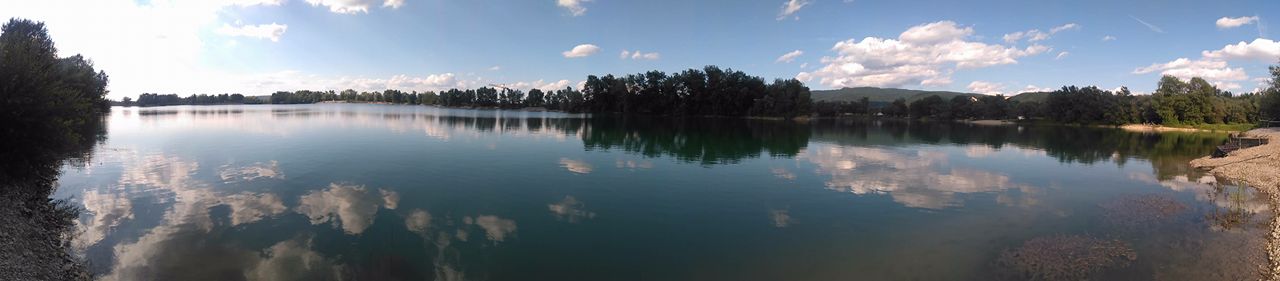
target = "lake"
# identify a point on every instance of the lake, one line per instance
(389, 192)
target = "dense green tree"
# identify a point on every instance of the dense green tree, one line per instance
(898, 108)
(535, 98)
(1270, 104)
(931, 106)
(48, 105)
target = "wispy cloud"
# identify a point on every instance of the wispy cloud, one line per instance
(638, 55)
(1228, 22)
(789, 57)
(271, 31)
(574, 6)
(1153, 27)
(790, 8)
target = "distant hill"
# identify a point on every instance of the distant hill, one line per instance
(881, 96)
(1031, 96)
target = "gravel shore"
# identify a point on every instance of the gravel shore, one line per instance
(35, 237)
(1258, 167)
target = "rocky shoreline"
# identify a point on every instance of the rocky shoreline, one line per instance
(1258, 167)
(35, 240)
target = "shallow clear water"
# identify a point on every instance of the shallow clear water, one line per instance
(383, 192)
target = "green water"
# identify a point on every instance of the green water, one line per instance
(383, 192)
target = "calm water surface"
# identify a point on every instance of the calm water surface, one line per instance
(382, 192)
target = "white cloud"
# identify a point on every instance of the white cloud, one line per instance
(1212, 66)
(575, 6)
(638, 55)
(1150, 26)
(1035, 35)
(432, 82)
(1215, 71)
(1034, 88)
(923, 55)
(1017, 36)
(1108, 38)
(933, 33)
(495, 68)
(1260, 49)
(1069, 26)
(790, 8)
(246, 3)
(267, 83)
(541, 85)
(1228, 22)
(1061, 55)
(354, 6)
(804, 76)
(789, 57)
(582, 50)
(394, 4)
(986, 88)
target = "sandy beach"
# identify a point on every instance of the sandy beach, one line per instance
(1148, 128)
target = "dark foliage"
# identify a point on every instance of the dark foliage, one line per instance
(710, 91)
(51, 107)
(201, 99)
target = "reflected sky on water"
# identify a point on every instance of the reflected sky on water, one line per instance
(375, 192)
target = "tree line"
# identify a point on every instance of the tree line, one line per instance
(149, 99)
(1175, 102)
(710, 91)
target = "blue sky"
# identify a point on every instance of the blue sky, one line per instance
(259, 46)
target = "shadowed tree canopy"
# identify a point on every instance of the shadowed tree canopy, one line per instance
(50, 108)
(1271, 97)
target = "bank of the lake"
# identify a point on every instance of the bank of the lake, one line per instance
(1151, 128)
(1258, 167)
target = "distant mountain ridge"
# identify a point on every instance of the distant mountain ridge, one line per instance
(882, 96)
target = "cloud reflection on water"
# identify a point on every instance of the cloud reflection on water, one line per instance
(348, 205)
(576, 166)
(570, 210)
(915, 178)
(189, 243)
(269, 170)
(495, 228)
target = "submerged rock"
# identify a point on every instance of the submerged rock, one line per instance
(1140, 211)
(1064, 257)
